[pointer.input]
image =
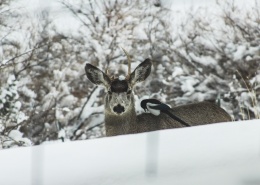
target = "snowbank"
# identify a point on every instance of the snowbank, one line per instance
(225, 153)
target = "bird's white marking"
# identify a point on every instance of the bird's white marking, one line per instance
(151, 110)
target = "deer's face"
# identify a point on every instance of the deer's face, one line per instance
(119, 98)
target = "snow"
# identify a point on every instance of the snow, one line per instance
(11, 79)
(140, 33)
(20, 117)
(204, 60)
(121, 77)
(28, 92)
(177, 71)
(239, 53)
(17, 136)
(224, 153)
(188, 84)
(61, 133)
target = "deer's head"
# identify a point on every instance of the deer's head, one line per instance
(119, 98)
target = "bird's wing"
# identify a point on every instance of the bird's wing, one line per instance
(160, 107)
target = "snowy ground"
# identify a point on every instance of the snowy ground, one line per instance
(226, 154)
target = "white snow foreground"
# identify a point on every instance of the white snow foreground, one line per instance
(225, 153)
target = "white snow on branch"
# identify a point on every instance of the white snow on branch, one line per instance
(89, 109)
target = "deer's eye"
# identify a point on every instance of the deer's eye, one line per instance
(129, 91)
(109, 92)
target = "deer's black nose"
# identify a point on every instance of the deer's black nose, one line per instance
(119, 109)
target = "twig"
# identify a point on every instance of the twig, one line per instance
(88, 98)
(91, 128)
(24, 53)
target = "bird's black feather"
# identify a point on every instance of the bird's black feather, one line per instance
(145, 101)
(161, 107)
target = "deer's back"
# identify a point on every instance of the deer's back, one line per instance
(194, 114)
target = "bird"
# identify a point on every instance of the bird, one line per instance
(155, 107)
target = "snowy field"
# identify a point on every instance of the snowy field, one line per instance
(225, 153)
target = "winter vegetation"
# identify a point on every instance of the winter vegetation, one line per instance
(204, 53)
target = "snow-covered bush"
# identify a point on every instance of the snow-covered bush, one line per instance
(210, 56)
(220, 56)
(10, 116)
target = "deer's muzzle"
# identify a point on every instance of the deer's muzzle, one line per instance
(119, 109)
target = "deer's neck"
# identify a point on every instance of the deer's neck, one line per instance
(120, 124)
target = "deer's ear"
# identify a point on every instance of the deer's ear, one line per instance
(96, 76)
(141, 72)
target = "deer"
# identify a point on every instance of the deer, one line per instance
(119, 105)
